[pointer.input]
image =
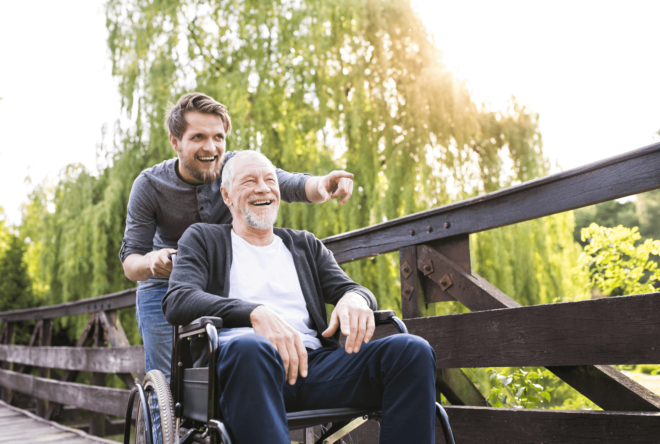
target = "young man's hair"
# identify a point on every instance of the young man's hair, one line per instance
(201, 103)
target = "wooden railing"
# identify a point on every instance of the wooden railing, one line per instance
(577, 341)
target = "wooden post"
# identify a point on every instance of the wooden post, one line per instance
(44, 341)
(54, 409)
(97, 420)
(7, 337)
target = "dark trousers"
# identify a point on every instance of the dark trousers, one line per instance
(395, 374)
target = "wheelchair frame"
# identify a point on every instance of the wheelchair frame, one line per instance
(343, 420)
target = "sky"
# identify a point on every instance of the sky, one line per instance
(589, 68)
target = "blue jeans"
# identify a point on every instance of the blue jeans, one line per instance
(394, 374)
(156, 335)
(156, 332)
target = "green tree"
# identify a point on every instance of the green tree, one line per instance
(15, 285)
(616, 264)
(648, 211)
(606, 214)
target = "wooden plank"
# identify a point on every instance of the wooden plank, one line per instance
(409, 283)
(24, 427)
(86, 359)
(485, 425)
(631, 173)
(95, 399)
(618, 330)
(114, 301)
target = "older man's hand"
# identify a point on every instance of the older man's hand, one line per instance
(356, 319)
(284, 338)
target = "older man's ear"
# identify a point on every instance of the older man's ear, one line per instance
(225, 196)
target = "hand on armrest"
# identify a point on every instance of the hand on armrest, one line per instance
(356, 319)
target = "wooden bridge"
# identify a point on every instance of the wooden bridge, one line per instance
(577, 341)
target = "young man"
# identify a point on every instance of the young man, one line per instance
(169, 197)
(277, 351)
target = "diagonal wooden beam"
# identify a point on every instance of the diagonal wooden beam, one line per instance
(604, 385)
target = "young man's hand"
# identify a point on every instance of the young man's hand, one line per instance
(157, 263)
(284, 338)
(160, 264)
(356, 319)
(321, 189)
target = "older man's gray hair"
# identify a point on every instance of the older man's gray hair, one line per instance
(228, 170)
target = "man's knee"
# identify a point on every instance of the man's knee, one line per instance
(251, 349)
(411, 349)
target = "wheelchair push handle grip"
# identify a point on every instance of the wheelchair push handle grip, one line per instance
(201, 323)
(172, 257)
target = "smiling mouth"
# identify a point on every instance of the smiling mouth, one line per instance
(207, 159)
(261, 203)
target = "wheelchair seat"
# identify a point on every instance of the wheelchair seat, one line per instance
(195, 404)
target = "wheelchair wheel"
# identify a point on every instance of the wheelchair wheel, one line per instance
(161, 410)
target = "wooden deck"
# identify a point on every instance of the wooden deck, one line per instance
(18, 426)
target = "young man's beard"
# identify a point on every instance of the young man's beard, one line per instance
(207, 176)
(259, 222)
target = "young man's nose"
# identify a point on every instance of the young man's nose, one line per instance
(209, 146)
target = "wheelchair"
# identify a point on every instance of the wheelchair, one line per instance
(189, 409)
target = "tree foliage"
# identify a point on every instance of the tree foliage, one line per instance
(616, 264)
(15, 284)
(316, 86)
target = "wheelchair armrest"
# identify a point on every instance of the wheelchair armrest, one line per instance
(199, 324)
(389, 317)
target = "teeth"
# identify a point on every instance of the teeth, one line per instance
(261, 202)
(207, 158)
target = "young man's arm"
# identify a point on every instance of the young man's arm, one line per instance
(139, 261)
(297, 187)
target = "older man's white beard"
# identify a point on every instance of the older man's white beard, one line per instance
(264, 221)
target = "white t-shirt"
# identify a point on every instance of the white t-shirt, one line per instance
(267, 276)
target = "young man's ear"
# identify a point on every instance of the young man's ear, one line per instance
(225, 196)
(174, 142)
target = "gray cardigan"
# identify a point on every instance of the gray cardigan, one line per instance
(199, 283)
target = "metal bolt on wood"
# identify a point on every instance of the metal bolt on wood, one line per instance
(411, 232)
(429, 228)
(447, 224)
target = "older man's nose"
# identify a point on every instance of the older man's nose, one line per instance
(261, 186)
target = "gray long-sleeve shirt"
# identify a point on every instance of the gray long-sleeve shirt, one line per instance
(162, 206)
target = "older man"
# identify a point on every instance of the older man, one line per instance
(270, 286)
